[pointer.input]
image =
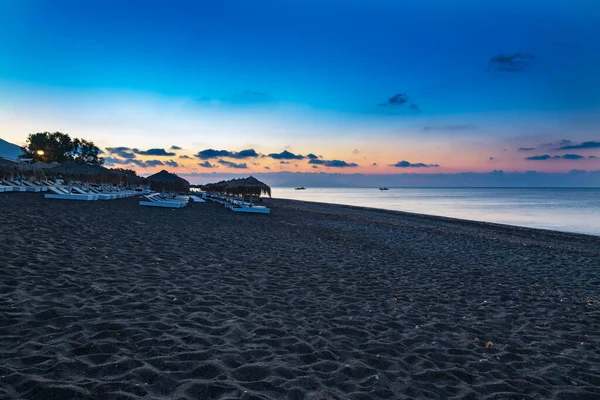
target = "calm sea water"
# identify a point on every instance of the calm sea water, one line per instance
(568, 210)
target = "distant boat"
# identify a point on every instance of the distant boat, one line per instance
(300, 188)
(384, 188)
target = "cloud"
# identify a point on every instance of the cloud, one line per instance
(465, 127)
(248, 153)
(211, 153)
(153, 163)
(109, 161)
(491, 158)
(315, 166)
(333, 163)
(267, 167)
(592, 157)
(284, 162)
(572, 157)
(312, 156)
(406, 164)
(185, 157)
(154, 152)
(355, 151)
(517, 62)
(115, 161)
(400, 100)
(123, 152)
(286, 155)
(206, 164)
(374, 164)
(544, 157)
(526, 148)
(230, 164)
(584, 145)
(175, 148)
(540, 158)
(172, 163)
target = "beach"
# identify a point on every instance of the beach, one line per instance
(111, 300)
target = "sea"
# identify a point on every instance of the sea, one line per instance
(560, 209)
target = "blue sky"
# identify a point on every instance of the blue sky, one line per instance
(476, 80)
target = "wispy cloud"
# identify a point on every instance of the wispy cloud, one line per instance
(123, 152)
(517, 62)
(355, 151)
(544, 157)
(400, 100)
(175, 148)
(406, 164)
(286, 155)
(333, 163)
(230, 164)
(184, 157)
(206, 164)
(154, 152)
(153, 163)
(211, 153)
(466, 127)
(526, 148)
(109, 161)
(584, 145)
(172, 163)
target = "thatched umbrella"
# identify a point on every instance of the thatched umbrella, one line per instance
(249, 186)
(7, 167)
(75, 171)
(166, 181)
(219, 187)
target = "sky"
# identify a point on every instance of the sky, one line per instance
(328, 86)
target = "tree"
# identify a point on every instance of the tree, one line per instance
(59, 147)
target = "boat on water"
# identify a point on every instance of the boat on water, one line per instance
(383, 188)
(300, 188)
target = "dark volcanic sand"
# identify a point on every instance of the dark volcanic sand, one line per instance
(110, 300)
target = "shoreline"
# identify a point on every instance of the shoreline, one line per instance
(314, 301)
(472, 204)
(426, 221)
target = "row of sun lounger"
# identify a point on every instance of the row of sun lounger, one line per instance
(87, 194)
(20, 186)
(156, 200)
(237, 205)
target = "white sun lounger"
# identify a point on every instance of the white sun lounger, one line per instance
(15, 187)
(61, 194)
(197, 199)
(30, 187)
(253, 209)
(153, 201)
(101, 196)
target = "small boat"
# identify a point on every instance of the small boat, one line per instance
(300, 188)
(384, 188)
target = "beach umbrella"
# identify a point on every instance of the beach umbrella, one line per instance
(29, 170)
(75, 171)
(7, 167)
(165, 180)
(250, 186)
